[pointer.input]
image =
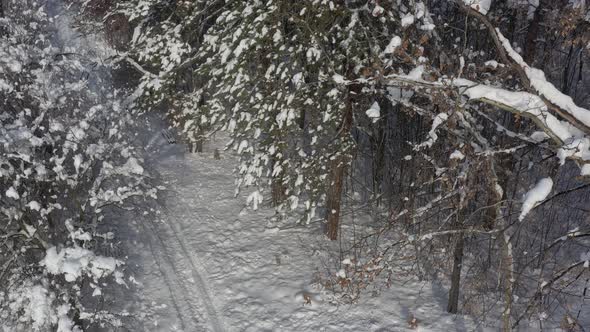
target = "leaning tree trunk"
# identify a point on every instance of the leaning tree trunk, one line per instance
(338, 171)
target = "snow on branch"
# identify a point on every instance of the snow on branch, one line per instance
(574, 144)
(536, 195)
(533, 78)
(539, 82)
(432, 136)
(482, 6)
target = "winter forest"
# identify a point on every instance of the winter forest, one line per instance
(294, 165)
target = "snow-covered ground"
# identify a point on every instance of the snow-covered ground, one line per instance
(211, 265)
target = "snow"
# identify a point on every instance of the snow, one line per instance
(78, 162)
(457, 155)
(15, 66)
(574, 143)
(73, 262)
(209, 263)
(416, 73)
(374, 113)
(254, 199)
(39, 306)
(64, 323)
(213, 265)
(432, 135)
(492, 64)
(395, 42)
(338, 79)
(132, 165)
(378, 10)
(539, 82)
(12, 193)
(536, 195)
(539, 136)
(277, 37)
(34, 205)
(483, 6)
(407, 20)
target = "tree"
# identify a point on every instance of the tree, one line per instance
(66, 162)
(470, 130)
(280, 72)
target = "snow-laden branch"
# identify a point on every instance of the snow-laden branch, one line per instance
(573, 143)
(468, 230)
(533, 78)
(538, 81)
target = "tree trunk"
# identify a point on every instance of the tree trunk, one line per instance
(453, 304)
(379, 161)
(2, 29)
(338, 171)
(334, 200)
(508, 276)
(278, 192)
(199, 141)
(507, 259)
(278, 189)
(530, 49)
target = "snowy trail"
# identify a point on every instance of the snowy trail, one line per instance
(196, 271)
(175, 266)
(175, 285)
(220, 267)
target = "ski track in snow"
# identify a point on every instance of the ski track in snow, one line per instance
(179, 268)
(197, 273)
(168, 266)
(226, 268)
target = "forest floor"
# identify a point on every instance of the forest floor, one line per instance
(210, 264)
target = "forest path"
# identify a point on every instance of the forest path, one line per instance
(213, 261)
(173, 272)
(217, 266)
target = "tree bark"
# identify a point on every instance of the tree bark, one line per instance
(278, 189)
(379, 160)
(334, 200)
(453, 304)
(338, 171)
(507, 258)
(2, 29)
(199, 142)
(508, 276)
(530, 49)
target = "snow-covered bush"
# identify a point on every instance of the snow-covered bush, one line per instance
(65, 162)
